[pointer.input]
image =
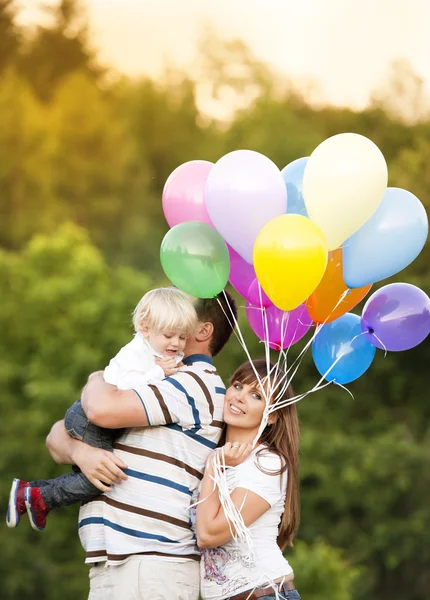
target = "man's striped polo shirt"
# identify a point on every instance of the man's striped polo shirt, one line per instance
(149, 512)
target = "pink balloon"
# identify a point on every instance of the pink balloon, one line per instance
(242, 274)
(256, 295)
(184, 193)
(284, 328)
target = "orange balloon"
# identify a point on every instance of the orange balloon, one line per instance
(322, 302)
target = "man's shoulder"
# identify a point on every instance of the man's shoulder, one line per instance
(204, 371)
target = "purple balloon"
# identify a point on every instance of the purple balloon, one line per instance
(244, 191)
(256, 295)
(397, 317)
(242, 274)
(284, 328)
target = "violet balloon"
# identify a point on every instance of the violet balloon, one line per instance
(283, 328)
(256, 295)
(397, 317)
(184, 193)
(242, 274)
(244, 191)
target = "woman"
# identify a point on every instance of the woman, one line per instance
(264, 486)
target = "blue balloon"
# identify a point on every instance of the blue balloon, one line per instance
(293, 177)
(336, 340)
(388, 242)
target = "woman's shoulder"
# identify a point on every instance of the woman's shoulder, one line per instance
(262, 473)
(266, 460)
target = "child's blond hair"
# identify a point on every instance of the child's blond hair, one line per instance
(166, 309)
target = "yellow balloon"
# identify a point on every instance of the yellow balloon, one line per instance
(290, 257)
(343, 184)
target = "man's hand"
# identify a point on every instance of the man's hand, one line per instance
(101, 467)
(168, 365)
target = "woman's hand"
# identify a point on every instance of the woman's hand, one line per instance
(101, 467)
(234, 453)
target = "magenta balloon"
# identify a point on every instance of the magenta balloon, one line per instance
(284, 328)
(397, 317)
(184, 193)
(244, 191)
(241, 273)
(256, 295)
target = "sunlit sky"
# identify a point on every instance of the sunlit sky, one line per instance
(346, 46)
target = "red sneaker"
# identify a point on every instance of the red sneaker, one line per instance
(36, 508)
(16, 506)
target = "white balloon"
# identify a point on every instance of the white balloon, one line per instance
(343, 184)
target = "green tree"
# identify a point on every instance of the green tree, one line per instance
(66, 314)
(9, 34)
(26, 201)
(53, 51)
(322, 572)
(90, 155)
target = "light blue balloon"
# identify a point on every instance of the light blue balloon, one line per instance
(293, 177)
(388, 242)
(336, 339)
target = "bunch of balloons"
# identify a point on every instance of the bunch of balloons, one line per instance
(303, 246)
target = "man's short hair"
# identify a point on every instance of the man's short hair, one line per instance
(222, 313)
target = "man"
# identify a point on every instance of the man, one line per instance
(138, 534)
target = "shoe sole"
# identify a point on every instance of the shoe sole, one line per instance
(29, 507)
(12, 516)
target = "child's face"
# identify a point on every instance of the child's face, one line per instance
(167, 343)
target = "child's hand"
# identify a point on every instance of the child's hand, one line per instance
(234, 453)
(168, 365)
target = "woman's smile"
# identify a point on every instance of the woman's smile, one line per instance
(236, 411)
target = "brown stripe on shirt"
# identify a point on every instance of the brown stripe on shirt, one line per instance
(204, 390)
(211, 372)
(119, 557)
(163, 405)
(96, 554)
(146, 513)
(159, 456)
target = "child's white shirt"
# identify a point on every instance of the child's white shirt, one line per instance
(135, 365)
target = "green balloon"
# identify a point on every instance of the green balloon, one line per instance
(195, 259)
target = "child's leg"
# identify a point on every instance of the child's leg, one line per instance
(76, 421)
(74, 486)
(43, 495)
(65, 490)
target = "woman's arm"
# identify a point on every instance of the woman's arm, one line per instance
(213, 528)
(100, 467)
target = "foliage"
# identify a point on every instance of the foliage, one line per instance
(83, 160)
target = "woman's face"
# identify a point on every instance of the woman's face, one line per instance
(244, 405)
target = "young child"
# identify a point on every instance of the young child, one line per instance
(163, 320)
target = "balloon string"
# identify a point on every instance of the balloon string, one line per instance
(280, 404)
(318, 328)
(381, 342)
(237, 526)
(239, 335)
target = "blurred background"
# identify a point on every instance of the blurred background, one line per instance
(99, 101)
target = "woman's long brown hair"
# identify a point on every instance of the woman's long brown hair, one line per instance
(282, 438)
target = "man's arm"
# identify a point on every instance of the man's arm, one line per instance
(100, 467)
(159, 403)
(107, 406)
(62, 447)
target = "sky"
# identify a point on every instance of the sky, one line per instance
(345, 46)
